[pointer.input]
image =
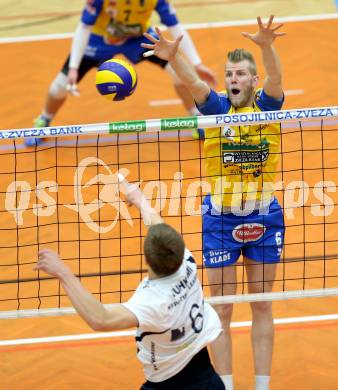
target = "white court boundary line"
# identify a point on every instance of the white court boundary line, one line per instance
(189, 26)
(131, 333)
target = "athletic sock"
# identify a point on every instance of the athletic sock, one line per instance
(262, 382)
(46, 115)
(228, 381)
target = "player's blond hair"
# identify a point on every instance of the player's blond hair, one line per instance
(239, 55)
(163, 249)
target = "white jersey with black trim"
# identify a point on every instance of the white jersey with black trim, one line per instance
(174, 321)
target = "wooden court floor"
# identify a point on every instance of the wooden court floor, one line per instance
(305, 354)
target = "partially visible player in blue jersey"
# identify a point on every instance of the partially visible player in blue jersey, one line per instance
(241, 215)
(111, 27)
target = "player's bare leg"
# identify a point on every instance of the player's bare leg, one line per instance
(57, 95)
(260, 279)
(53, 104)
(222, 281)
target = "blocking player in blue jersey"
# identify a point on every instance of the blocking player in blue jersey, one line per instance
(111, 27)
(241, 215)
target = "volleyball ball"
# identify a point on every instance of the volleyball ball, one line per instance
(116, 79)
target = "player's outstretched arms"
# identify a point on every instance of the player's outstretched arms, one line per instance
(91, 310)
(168, 51)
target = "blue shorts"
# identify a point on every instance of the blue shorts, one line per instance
(100, 51)
(259, 237)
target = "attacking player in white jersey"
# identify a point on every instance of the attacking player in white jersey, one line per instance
(174, 324)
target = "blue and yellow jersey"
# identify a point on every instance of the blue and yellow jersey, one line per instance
(117, 20)
(241, 159)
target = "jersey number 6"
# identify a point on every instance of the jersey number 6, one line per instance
(196, 318)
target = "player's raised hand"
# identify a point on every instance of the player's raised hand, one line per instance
(133, 193)
(136, 197)
(266, 34)
(72, 82)
(161, 47)
(50, 262)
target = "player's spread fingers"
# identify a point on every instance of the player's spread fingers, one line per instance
(158, 32)
(259, 21)
(150, 37)
(277, 27)
(147, 45)
(246, 34)
(270, 21)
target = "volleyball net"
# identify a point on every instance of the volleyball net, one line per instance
(65, 195)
